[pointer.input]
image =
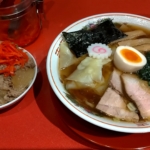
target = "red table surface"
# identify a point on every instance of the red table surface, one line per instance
(34, 122)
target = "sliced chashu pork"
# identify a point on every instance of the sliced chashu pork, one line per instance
(113, 105)
(115, 81)
(139, 91)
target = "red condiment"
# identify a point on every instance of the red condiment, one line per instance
(10, 56)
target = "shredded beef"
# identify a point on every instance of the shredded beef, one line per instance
(7, 92)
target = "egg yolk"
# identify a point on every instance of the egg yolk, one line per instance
(130, 56)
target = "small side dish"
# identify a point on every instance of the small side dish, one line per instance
(18, 71)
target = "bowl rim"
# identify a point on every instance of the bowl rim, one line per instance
(28, 88)
(140, 129)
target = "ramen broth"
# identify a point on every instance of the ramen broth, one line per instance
(87, 97)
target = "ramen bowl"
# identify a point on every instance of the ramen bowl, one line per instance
(27, 87)
(60, 91)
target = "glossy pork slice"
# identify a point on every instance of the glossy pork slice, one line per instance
(113, 105)
(115, 81)
(139, 91)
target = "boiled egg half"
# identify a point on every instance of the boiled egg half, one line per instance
(128, 59)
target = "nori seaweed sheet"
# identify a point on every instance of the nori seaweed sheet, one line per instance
(104, 32)
(144, 73)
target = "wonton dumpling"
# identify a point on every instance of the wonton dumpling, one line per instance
(67, 58)
(89, 71)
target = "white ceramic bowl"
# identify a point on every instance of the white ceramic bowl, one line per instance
(31, 83)
(53, 76)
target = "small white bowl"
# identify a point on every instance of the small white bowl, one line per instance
(53, 75)
(23, 94)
